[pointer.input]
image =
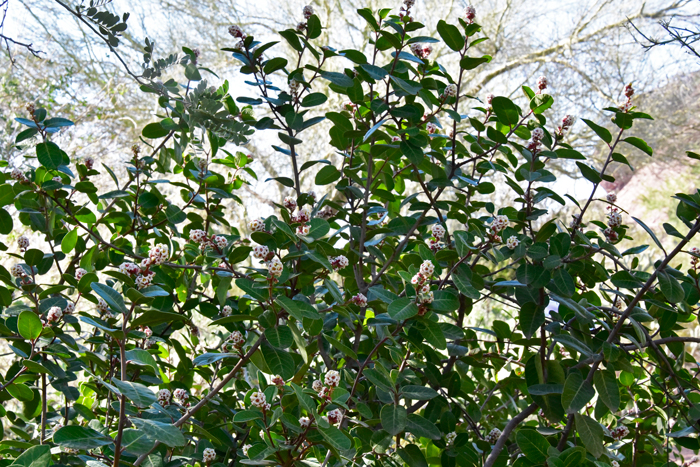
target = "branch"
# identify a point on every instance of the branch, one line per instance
(517, 420)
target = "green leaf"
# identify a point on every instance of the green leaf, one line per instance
(113, 298)
(29, 325)
(589, 173)
(136, 393)
(625, 280)
(422, 427)
(166, 433)
(394, 418)
(327, 175)
(403, 308)
(279, 337)
(670, 287)
(36, 456)
(192, 73)
(602, 133)
(261, 294)
(445, 300)
(413, 456)
(545, 389)
(434, 335)
(313, 27)
(280, 362)
(506, 111)
(275, 64)
(80, 437)
(154, 130)
(142, 357)
(531, 318)
(608, 391)
(49, 155)
(339, 79)
(533, 445)
(314, 99)
(335, 438)
(137, 442)
(573, 343)
(306, 402)
(469, 63)
(297, 308)
(639, 144)
(20, 391)
(420, 393)
(591, 434)
(247, 415)
(577, 392)
(451, 35)
(69, 241)
(650, 232)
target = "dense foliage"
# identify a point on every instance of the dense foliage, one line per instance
(343, 340)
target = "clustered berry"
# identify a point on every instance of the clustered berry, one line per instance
(619, 432)
(421, 51)
(339, 262)
(164, 397)
(360, 300)
(493, 436)
(208, 455)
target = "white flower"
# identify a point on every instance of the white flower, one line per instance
(148, 332)
(426, 298)
(334, 416)
(257, 225)
(470, 13)
(70, 308)
(164, 397)
(275, 267)
(144, 280)
(619, 432)
(450, 90)
(537, 134)
(308, 11)
(493, 436)
(294, 85)
(425, 288)
(512, 242)
(303, 215)
(615, 464)
(236, 31)
(339, 262)
(180, 394)
(128, 269)
(226, 311)
(54, 315)
(450, 437)
(245, 449)
(220, 242)
(542, 83)
(614, 219)
(332, 378)
(304, 421)
(303, 230)
(427, 268)
(159, 254)
(360, 300)
(257, 399)
(148, 343)
(102, 306)
(418, 278)
(695, 250)
(290, 203)
(23, 243)
(431, 127)
(17, 270)
(198, 236)
(317, 386)
(208, 455)
(567, 121)
(277, 380)
(489, 98)
(17, 174)
(261, 251)
(499, 223)
(146, 263)
(79, 273)
(611, 197)
(438, 231)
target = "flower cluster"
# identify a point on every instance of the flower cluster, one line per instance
(17, 271)
(450, 91)
(164, 397)
(257, 225)
(334, 416)
(493, 436)
(566, 123)
(695, 256)
(258, 399)
(234, 342)
(208, 455)
(275, 267)
(626, 106)
(159, 254)
(332, 378)
(534, 144)
(422, 282)
(619, 432)
(339, 262)
(237, 33)
(54, 315)
(23, 243)
(470, 14)
(79, 273)
(450, 437)
(70, 308)
(541, 84)
(18, 175)
(277, 380)
(611, 197)
(290, 203)
(435, 242)
(405, 10)
(421, 51)
(431, 128)
(225, 311)
(304, 422)
(498, 223)
(360, 300)
(261, 252)
(614, 220)
(129, 269)
(512, 242)
(181, 395)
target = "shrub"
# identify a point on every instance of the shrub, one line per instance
(344, 339)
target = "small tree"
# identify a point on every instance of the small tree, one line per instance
(346, 341)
